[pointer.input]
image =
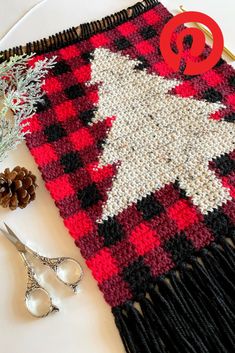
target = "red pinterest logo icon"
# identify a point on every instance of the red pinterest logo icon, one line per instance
(193, 67)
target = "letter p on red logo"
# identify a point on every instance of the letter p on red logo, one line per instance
(193, 65)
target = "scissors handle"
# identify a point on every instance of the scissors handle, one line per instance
(57, 264)
(34, 292)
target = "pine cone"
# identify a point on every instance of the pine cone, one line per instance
(17, 188)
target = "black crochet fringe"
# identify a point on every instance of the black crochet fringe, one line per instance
(189, 310)
(84, 31)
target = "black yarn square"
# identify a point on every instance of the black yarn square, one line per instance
(144, 64)
(225, 164)
(87, 56)
(122, 43)
(219, 63)
(87, 116)
(182, 192)
(54, 132)
(231, 80)
(189, 77)
(61, 67)
(148, 32)
(220, 224)
(43, 105)
(158, 51)
(213, 96)
(180, 247)
(111, 231)
(100, 144)
(74, 91)
(230, 118)
(138, 276)
(89, 196)
(71, 161)
(149, 207)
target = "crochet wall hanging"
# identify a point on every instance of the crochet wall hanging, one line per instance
(140, 161)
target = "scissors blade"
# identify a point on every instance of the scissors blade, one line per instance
(13, 238)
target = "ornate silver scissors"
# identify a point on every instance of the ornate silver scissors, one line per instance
(34, 289)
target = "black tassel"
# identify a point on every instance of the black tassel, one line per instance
(186, 316)
(176, 325)
(159, 331)
(213, 289)
(125, 333)
(212, 308)
(189, 310)
(226, 263)
(145, 338)
(198, 316)
(219, 275)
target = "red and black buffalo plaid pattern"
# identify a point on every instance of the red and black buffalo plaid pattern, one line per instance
(128, 252)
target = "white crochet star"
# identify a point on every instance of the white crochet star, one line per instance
(156, 137)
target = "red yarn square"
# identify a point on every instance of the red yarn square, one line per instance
(103, 265)
(44, 154)
(69, 52)
(144, 47)
(217, 115)
(231, 100)
(230, 184)
(162, 69)
(79, 224)
(34, 124)
(124, 252)
(159, 260)
(183, 214)
(116, 291)
(83, 73)
(229, 210)
(99, 40)
(168, 195)
(60, 188)
(200, 235)
(65, 111)
(92, 97)
(52, 85)
(151, 17)
(212, 78)
(165, 227)
(81, 138)
(99, 174)
(32, 61)
(127, 28)
(144, 239)
(185, 89)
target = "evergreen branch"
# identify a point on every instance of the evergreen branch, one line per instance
(20, 92)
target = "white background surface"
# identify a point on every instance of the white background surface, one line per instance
(85, 323)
